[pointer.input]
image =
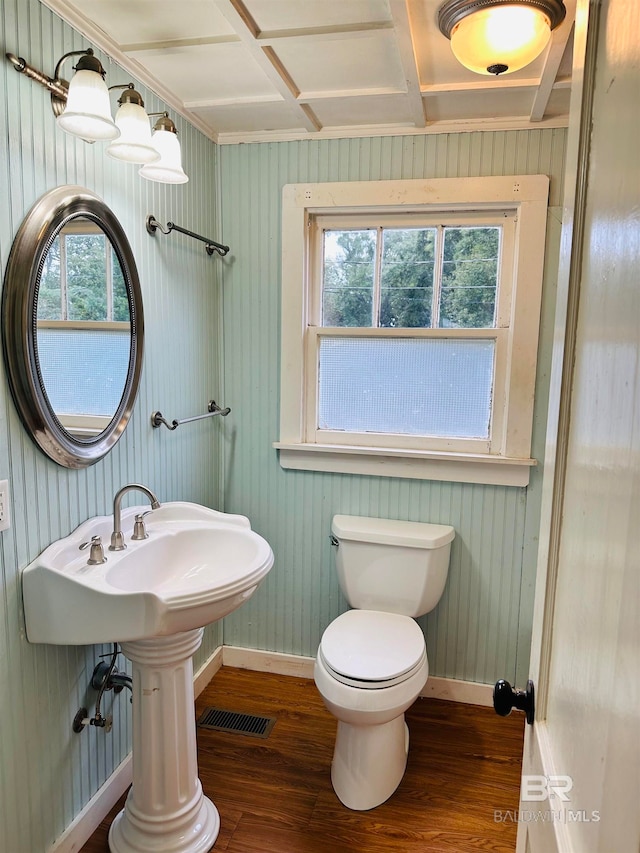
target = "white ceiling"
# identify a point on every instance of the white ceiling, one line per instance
(244, 70)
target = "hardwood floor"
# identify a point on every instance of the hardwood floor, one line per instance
(275, 795)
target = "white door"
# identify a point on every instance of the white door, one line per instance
(585, 743)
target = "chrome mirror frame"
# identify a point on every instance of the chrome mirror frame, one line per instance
(18, 318)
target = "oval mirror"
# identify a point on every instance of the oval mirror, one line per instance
(72, 326)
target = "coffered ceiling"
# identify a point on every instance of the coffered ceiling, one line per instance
(245, 70)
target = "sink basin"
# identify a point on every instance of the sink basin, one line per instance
(197, 566)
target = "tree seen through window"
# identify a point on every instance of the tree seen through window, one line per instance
(431, 277)
(82, 280)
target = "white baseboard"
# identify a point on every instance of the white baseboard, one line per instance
(467, 692)
(261, 661)
(99, 806)
(206, 672)
(84, 825)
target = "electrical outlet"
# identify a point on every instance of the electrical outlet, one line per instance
(5, 518)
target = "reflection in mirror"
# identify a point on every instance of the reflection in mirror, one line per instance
(83, 337)
(72, 326)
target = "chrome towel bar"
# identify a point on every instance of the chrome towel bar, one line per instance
(212, 409)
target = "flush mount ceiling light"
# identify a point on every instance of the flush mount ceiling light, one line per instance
(499, 36)
(168, 169)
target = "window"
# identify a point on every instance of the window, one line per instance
(409, 326)
(83, 324)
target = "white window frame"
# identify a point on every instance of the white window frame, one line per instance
(505, 460)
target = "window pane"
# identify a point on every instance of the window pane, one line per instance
(84, 371)
(50, 290)
(347, 281)
(86, 276)
(431, 387)
(406, 279)
(469, 278)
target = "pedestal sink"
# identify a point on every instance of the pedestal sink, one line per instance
(154, 598)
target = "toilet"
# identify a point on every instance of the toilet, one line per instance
(372, 661)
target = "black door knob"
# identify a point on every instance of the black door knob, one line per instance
(505, 698)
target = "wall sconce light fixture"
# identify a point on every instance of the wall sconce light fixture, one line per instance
(134, 144)
(499, 36)
(82, 108)
(168, 169)
(87, 112)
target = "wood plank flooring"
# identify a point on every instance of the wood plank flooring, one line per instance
(275, 795)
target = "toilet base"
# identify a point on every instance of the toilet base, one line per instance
(369, 762)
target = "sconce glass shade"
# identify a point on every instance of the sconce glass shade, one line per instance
(168, 169)
(88, 111)
(499, 36)
(134, 145)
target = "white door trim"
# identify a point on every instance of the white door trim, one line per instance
(543, 825)
(566, 322)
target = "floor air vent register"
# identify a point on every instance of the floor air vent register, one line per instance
(232, 721)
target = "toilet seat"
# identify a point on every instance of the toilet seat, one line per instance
(371, 649)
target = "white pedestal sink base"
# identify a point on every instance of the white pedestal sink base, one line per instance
(197, 835)
(166, 810)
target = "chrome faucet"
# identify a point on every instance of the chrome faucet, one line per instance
(117, 537)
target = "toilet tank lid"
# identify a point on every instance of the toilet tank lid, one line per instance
(415, 534)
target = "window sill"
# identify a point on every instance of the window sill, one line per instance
(413, 464)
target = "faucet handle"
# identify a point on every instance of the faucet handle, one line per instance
(139, 530)
(96, 554)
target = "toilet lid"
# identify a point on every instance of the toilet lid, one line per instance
(370, 646)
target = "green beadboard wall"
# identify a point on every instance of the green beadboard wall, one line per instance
(213, 330)
(47, 773)
(481, 629)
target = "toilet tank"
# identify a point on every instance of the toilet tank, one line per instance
(393, 566)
